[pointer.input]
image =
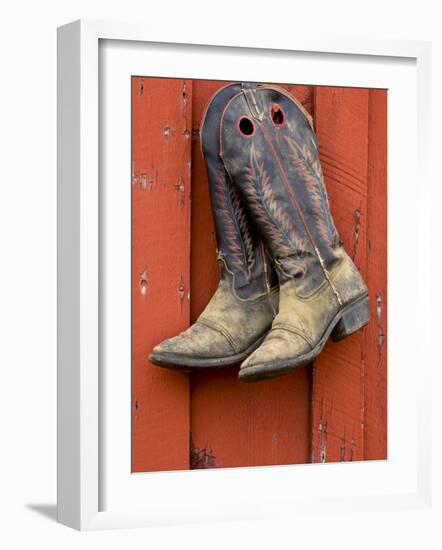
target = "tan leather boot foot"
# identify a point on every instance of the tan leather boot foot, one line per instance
(304, 324)
(227, 331)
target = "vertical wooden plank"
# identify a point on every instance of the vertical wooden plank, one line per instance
(304, 94)
(376, 335)
(161, 139)
(232, 423)
(341, 119)
(204, 266)
(237, 424)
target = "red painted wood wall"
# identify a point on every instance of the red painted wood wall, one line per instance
(332, 410)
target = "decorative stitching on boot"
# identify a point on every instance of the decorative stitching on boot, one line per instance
(263, 295)
(278, 225)
(215, 326)
(298, 209)
(296, 331)
(325, 285)
(309, 169)
(248, 240)
(231, 231)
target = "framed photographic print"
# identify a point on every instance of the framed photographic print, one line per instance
(333, 410)
(233, 237)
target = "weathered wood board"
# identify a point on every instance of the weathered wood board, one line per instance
(161, 150)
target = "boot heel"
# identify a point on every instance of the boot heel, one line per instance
(352, 320)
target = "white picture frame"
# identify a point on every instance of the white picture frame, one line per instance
(84, 447)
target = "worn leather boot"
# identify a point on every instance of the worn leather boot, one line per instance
(270, 151)
(244, 305)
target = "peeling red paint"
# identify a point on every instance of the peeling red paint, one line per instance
(381, 334)
(143, 283)
(187, 136)
(145, 180)
(168, 132)
(201, 459)
(181, 291)
(356, 232)
(322, 430)
(181, 191)
(185, 99)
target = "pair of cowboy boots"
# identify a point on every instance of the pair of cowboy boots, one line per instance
(286, 282)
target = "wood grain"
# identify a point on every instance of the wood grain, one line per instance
(376, 278)
(341, 120)
(161, 140)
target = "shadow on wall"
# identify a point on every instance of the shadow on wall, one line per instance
(48, 511)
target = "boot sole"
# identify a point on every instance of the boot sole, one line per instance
(176, 361)
(346, 322)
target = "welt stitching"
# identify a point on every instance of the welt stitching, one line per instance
(222, 330)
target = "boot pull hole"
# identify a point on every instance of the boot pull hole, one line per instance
(246, 126)
(277, 115)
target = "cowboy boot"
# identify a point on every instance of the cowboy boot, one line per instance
(242, 309)
(270, 151)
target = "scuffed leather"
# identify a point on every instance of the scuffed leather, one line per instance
(242, 321)
(301, 321)
(227, 325)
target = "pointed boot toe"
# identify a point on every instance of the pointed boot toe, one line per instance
(226, 332)
(281, 352)
(198, 346)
